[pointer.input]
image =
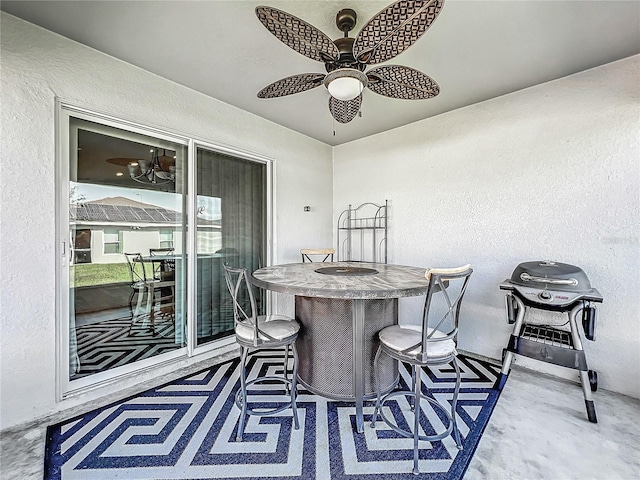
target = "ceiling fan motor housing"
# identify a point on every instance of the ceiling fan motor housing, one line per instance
(346, 60)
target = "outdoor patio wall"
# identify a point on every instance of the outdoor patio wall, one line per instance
(37, 67)
(546, 173)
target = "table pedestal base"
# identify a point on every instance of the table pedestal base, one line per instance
(337, 344)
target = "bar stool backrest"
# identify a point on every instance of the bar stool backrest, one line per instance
(244, 303)
(164, 266)
(309, 254)
(161, 251)
(441, 313)
(137, 272)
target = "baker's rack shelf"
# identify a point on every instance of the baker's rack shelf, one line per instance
(362, 233)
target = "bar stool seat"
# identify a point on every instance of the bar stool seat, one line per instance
(269, 327)
(403, 338)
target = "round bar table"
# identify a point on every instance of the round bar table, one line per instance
(341, 308)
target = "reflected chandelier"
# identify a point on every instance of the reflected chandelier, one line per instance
(159, 170)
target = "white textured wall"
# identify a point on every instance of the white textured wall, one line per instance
(37, 66)
(550, 172)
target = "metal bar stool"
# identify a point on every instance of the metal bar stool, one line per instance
(158, 293)
(258, 332)
(432, 343)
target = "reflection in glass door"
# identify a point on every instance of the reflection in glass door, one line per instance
(231, 229)
(126, 266)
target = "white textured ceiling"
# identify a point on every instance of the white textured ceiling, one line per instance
(475, 50)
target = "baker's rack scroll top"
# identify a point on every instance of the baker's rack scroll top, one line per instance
(362, 233)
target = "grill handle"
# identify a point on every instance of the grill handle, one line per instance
(511, 309)
(553, 281)
(589, 315)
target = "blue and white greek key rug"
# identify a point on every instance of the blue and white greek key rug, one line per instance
(186, 430)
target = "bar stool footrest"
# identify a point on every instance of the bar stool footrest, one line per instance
(273, 411)
(408, 433)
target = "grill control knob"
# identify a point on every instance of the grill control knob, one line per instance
(545, 296)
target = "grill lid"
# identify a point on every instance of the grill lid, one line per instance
(551, 275)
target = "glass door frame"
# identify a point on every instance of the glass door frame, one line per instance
(63, 112)
(228, 341)
(65, 386)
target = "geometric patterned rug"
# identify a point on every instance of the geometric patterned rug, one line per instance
(186, 430)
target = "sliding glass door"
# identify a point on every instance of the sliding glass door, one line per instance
(140, 264)
(231, 229)
(127, 198)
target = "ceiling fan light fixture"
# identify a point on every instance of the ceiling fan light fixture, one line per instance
(345, 83)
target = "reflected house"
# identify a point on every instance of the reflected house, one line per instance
(104, 229)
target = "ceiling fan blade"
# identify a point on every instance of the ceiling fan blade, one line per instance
(394, 29)
(293, 84)
(345, 111)
(298, 34)
(397, 81)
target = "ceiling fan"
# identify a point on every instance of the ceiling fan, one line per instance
(346, 59)
(159, 170)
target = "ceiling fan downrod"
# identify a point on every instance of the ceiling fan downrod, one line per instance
(345, 21)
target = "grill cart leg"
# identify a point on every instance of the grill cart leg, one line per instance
(588, 399)
(514, 304)
(502, 378)
(584, 375)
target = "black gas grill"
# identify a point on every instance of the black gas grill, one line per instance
(558, 287)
